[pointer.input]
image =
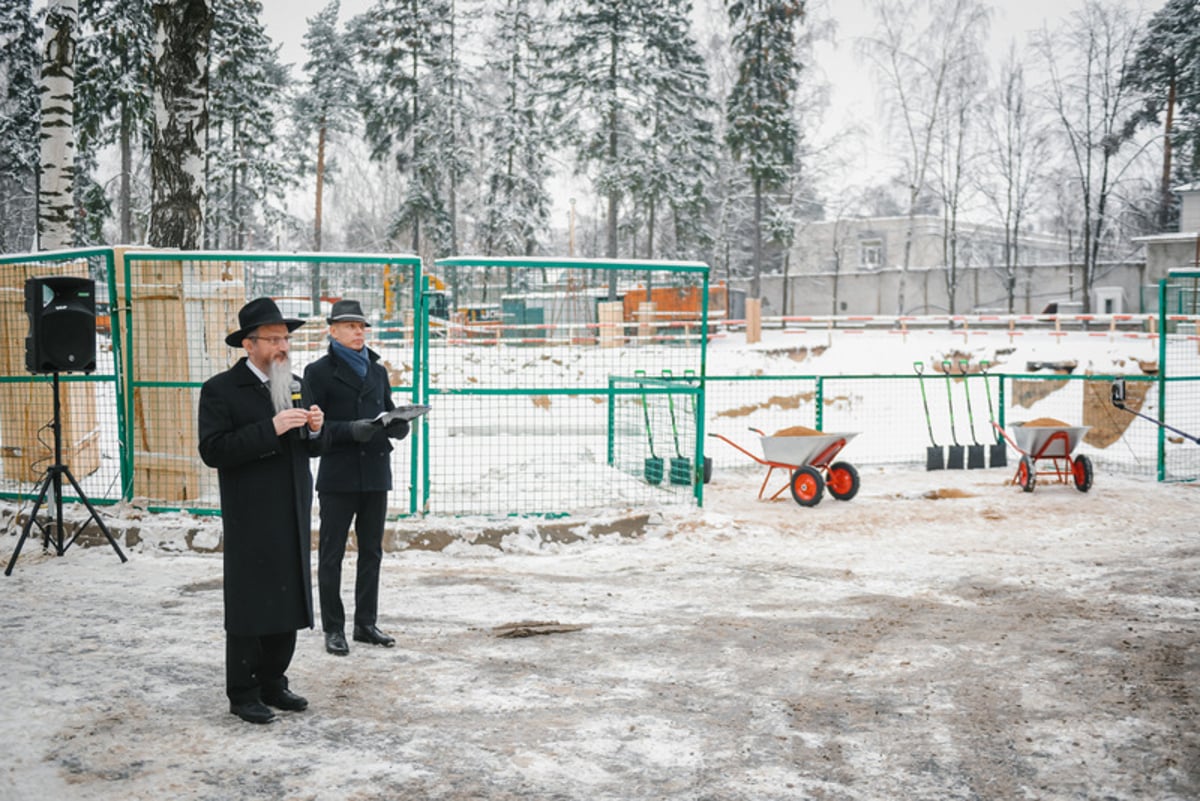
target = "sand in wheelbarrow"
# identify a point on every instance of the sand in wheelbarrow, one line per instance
(1046, 422)
(798, 431)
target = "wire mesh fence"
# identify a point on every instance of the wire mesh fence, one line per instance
(179, 307)
(557, 385)
(895, 418)
(1179, 348)
(525, 362)
(89, 410)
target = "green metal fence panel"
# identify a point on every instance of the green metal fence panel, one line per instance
(886, 414)
(1179, 376)
(90, 413)
(181, 305)
(539, 407)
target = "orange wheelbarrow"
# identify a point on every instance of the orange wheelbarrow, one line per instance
(1053, 444)
(809, 463)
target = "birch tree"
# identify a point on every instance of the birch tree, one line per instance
(56, 185)
(19, 104)
(181, 34)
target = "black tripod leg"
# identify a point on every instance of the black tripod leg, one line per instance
(41, 498)
(94, 516)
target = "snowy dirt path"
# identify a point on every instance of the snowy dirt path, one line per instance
(988, 645)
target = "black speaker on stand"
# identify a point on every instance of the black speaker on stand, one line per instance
(62, 339)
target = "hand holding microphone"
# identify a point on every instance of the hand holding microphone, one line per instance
(298, 418)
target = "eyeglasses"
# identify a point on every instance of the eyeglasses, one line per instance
(273, 341)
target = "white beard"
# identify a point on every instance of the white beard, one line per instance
(279, 379)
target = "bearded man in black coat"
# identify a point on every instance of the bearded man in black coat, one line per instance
(258, 428)
(355, 475)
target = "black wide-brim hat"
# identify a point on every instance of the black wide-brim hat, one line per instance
(260, 311)
(347, 311)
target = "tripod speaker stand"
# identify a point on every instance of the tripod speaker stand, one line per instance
(53, 482)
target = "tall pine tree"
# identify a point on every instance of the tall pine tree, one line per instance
(247, 170)
(113, 101)
(411, 104)
(515, 206)
(600, 87)
(19, 106)
(1166, 67)
(762, 133)
(676, 148)
(326, 104)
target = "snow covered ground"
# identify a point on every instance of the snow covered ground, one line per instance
(943, 635)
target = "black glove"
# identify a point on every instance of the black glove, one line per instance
(397, 429)
(362, 430)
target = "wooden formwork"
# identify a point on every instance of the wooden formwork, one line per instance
(182, 311)
(27, 410)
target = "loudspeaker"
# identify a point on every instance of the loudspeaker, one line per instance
(62, 324)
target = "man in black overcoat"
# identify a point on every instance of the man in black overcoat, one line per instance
(355, 474)
(258, 427)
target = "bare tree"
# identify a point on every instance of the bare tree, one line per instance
(1019, 148)
(181, 40)
(919, 47)
(56, 185)
(1086, 61)
(958, 144)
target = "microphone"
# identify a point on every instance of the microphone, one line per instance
(298, 403)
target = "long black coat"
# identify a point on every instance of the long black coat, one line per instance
(266, 503)
(350, 466)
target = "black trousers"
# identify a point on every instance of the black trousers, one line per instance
(256, 665)
(367, 511)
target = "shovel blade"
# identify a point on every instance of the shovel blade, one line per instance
(954, 456)
(654, 470)
(975, 457)
(681, 471)
(934, 458)
(998, 454)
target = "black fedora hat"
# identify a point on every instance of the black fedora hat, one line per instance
(260, 311)
(347, 311)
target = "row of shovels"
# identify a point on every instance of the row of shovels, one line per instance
(957, 455)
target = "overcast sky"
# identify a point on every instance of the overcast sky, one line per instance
(853, 101)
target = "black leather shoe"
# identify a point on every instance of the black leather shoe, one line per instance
(287, 700)
(335, 643)
(373, 635)
(253, 712)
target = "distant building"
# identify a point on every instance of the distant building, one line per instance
(854, 266)
(1180, 250)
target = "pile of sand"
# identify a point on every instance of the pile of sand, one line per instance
(797, 431)
(1046, 422)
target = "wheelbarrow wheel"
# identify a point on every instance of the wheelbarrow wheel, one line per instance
(1026, 475)
(807, 485)
(1081, 470)
(842, 481)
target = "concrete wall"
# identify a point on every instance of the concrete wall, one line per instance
(876, 292)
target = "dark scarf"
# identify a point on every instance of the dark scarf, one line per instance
(358, 360)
